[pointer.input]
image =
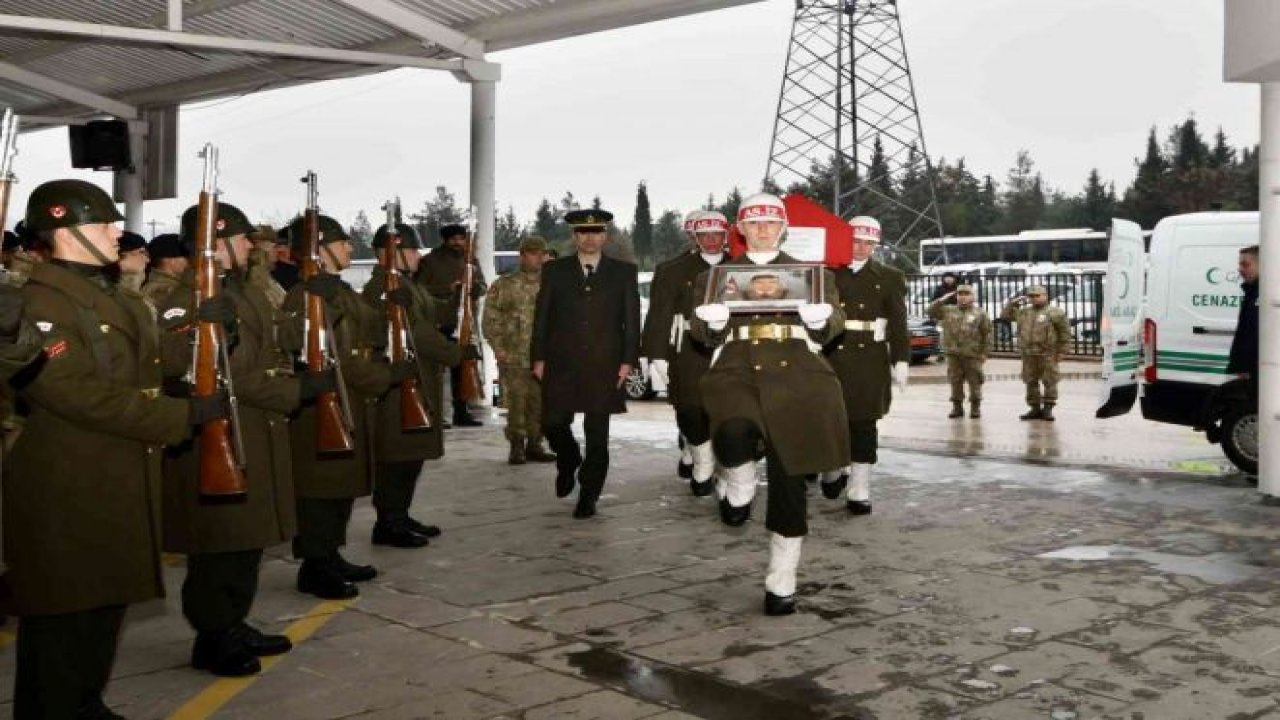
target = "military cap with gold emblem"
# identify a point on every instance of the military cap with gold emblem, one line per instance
(588, 220)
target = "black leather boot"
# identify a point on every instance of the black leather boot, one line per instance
(260, 643)
(222, 654)
(397, 534)
(779, 604)
(352, 572)
(323, 579)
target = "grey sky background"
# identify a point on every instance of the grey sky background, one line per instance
(688, 106)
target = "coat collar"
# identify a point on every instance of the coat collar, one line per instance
(88, 295)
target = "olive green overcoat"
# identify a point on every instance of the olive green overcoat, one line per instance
(863, 362)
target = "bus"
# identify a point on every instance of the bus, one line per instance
(1074, 248)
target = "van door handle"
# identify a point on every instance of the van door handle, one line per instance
(1202, 330)
(1121, 343)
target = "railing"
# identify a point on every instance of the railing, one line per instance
(1078, 295)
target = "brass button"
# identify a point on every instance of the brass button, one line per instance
(783, 363)
(755, 342)
(860, 306)
(839, 347)
(757, 367)
(861, 345)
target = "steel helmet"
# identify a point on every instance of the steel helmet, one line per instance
(67, 203)
(408, 237)
(330, 231)
(231, 221)
(866, 228)
(691, 219)
(709, 221)
(762, 207)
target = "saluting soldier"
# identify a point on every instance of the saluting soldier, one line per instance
(768, 391)
(328, 485)
(441, 272)
(586, 334)
(400, 455)
(871, 357)
(168, 263)
(1044, 335)
(224, 542)
(665, 340)
(966, 343)
(508, 326)
(82, 486)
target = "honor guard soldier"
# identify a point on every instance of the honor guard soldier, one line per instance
(966, 343)
(399, 454)
(328, 484)
(586, 335)
(224, 542)
(665, 341)
(769, 391)
(82, 486)
(871, 357)
(441, 272)
(508, 326)
(1044, 335)
(168, 262)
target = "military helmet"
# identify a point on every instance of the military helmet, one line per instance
(408, 237)
(231, 221)
(67, 203)
(330, 231)
(534, 243)
(762, 207)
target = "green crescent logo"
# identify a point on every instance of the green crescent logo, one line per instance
(1124, 277)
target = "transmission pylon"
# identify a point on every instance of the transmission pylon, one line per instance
(847, 89)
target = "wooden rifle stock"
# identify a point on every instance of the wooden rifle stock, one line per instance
(415, 416)
(472, 386)
(8, 150)
(221, 471)
(333, 427)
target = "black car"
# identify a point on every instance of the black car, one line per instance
(926, 341)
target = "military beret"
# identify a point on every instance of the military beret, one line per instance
(169, 245)
(588, 219)
(1036, 290)
(130, 241)
(452, 230)
(533, 243)
(966, 287)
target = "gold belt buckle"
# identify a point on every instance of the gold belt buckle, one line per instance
(769, 332)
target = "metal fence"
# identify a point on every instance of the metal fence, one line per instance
(1078, 294)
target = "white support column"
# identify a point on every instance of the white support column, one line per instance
(1269, 295)
(484, 101)
(131, 182)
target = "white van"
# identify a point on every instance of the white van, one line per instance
(1166, 340)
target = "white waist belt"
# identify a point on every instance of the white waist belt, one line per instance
(878, 327)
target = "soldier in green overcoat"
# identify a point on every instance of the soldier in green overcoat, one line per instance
(82, 486)
(399, 455)
(328, 485)
(871, 358)
(224, 542)
(769, 390)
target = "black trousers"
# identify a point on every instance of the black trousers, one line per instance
(64, 662)
(694, 423)
(864, 440)
(595, 464)
(393, 488)
(741, 441)
(322, 527)
(219, 589)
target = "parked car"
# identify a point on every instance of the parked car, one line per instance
(926, 340)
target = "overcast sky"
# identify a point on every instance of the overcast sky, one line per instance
(688, 106)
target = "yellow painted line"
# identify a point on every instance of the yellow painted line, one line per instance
(1202, 467)
(224, 690)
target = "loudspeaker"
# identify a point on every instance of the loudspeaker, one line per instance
(100, 145)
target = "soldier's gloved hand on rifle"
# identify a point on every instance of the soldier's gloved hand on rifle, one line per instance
(815, 315)
(715, 315)
(10, 314)
(401, 296)
(324, 285)
(402, 370)
(210, 407)
(471, 352)
(218, 309)
(315, 384)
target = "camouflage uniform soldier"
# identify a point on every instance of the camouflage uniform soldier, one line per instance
(966, 341)
(262, 259)
(168, 262)
(1043, 337)
(508, 326)
(133, 261)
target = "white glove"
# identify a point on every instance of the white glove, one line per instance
(715, 315)
(901, 371)
(659, 372)
(815, 315)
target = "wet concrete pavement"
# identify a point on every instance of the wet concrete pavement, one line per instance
(983, 587)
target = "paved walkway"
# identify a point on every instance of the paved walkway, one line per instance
(983, 587)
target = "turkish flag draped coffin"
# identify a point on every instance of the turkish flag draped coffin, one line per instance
(814, 234)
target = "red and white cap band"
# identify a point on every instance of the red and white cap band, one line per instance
(710, 225)
(760, 213)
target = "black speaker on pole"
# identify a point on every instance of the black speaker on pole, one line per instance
(100, 145)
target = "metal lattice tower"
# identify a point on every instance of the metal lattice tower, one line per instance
(847, 88)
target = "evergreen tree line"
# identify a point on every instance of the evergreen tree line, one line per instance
(1184, 173)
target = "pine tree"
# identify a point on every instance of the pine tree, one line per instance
(362, 237)
(668, 237)
(508, 231)
(732, 201)
(642, 229)
(437, 212)
(545, 223)
(1024, 198)
(1098, 205)
(1146, 200)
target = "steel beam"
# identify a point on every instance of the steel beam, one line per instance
(66, 91)
(419, 26)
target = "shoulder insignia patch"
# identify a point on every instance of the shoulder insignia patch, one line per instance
(44, 325)
(56, 349)
(174, 312)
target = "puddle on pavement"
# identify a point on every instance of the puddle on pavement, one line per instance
(692, 692)
(1214, 568)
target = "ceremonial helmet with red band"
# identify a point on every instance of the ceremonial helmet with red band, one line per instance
(690, 220)
(709, 221)
(866, 229)
(762, 207)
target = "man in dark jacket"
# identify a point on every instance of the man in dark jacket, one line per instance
(1243, 360)
(586, 336)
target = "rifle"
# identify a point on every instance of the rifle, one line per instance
(472, 386)
(415, 415)
(8, 150)
(221, 476)
(334, 424)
